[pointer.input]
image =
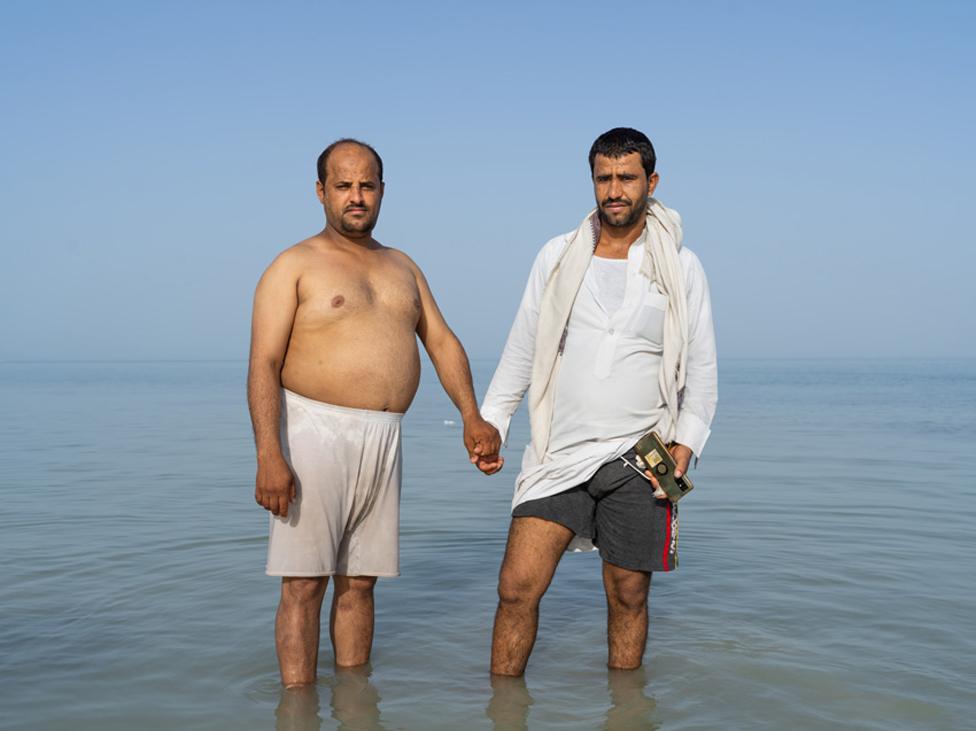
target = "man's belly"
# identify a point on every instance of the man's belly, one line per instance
(360, 368)
(588, 408)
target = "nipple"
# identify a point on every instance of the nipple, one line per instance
(338, 300)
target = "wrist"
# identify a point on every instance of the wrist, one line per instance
(470, 414)
(270, 456)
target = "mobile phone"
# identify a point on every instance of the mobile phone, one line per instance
(653, 455)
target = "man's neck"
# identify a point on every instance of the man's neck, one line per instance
(365, 241)
(615, 241)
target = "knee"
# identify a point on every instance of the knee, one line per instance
(630, 599)
(519, 589)
(354, 590)
(302, 590)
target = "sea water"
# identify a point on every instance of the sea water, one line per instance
(826, 578)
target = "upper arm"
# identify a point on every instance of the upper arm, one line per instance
(432, 328)
(275, 304)
(700, 328)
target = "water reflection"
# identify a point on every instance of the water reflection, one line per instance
(630, 709)
(508, 708)
(354, 702)
(298, 709)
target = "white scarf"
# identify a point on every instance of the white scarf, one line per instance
(662, 242)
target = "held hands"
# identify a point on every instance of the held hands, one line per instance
(483, 442)
(682, 457)
(275, 486)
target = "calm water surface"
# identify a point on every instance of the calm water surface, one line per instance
(826, 580)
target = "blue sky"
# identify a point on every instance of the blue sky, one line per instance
(157, 156)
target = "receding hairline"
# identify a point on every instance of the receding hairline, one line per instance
(321, 165)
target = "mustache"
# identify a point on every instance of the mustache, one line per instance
(355, 207)
(608, 201)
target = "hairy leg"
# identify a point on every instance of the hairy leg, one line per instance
(533, 552)
(351, 624)
(626, 615)
(297, 628)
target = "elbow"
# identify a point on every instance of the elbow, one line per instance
(262, 365)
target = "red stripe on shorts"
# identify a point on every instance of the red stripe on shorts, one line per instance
(667, 540)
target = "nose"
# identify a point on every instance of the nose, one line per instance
(357, 194)
(616, 189)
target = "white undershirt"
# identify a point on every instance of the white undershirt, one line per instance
(611, 281)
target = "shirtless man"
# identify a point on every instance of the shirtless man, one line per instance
(334, 364)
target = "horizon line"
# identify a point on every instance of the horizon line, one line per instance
(37, 361)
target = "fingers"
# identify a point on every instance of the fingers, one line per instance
(491, 464)
(658, 491)
(682, 457)
(487, 444)
(274, 501)
(483, 446)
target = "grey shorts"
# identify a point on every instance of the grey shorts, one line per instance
(617, 510)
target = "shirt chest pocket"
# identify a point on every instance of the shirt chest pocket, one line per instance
(650, 316)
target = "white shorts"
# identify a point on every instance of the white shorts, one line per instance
(345, 518)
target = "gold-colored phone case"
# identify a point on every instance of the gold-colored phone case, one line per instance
(653, 455)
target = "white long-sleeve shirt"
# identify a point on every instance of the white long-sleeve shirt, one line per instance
(606, 393)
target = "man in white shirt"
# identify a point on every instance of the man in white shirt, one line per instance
(613, 338)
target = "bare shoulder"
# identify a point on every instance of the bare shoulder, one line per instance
(400, 259)
(295, 258)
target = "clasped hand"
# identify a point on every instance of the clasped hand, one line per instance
(483, 443)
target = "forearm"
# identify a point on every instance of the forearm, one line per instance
(454, 372)
(509, 383)
(514, 371)
(701, 379)
(264, 402)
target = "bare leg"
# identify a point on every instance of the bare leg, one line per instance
(297, 628)
(351, 625)
(533, 552)
(626, 615)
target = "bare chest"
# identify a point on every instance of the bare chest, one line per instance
(332, 295)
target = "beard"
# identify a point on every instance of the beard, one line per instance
(624, 219)
(358, 226)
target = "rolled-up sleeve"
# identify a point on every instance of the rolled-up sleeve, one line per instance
(700, 394)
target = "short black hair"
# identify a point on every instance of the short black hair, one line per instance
(621, 141)
(324, 157)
